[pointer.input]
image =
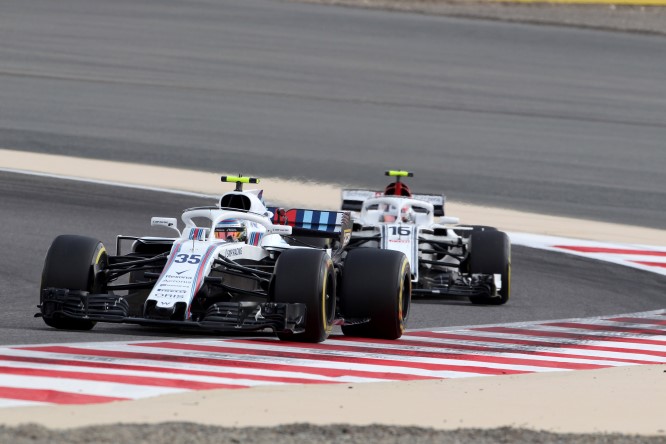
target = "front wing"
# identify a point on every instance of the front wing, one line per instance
(459, 285)
(221, 316)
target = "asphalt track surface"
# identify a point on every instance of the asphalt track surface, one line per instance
(547, 119)
(37, 209)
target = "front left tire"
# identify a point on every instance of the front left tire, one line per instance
(75, 263)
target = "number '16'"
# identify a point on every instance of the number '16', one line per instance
(401, 231)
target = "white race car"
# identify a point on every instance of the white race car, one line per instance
(446, 259)
(235, 266)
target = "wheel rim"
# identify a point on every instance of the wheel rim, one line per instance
(101, 262)
(403, 301)
(328, 300)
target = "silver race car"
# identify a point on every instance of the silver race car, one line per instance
(445, 258)
(233, 266)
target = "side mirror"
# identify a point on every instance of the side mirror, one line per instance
(167, 222)
(284, 230)
(449, 220)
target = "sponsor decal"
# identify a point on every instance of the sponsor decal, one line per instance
(359, 194)
(164, 297)
(166, 290)
(278, 229)
(167, 222)
(430, 198)
(233, 252)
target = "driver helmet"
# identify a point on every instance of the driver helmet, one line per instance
(388, 213)
(230, 230)
(397, 189)
(407, 214)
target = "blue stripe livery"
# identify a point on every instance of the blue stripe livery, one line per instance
(198, 233)
(330, 221)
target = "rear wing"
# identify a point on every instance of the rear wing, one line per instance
(437, 201)
(314, 223)
(352, 200)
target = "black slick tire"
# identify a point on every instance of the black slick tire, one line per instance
(307, 276)
(73, 262)
(491, 254)
(376, 284)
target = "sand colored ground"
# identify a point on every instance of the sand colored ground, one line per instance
(628, 400)
(318, 195)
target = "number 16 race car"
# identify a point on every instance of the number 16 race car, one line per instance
(445, 259)
(235, 266)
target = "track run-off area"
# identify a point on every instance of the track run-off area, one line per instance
(90, 373)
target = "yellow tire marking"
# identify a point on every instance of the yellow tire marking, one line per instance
(99, 255)
(327, 326)
(508, 287)
(400, 295)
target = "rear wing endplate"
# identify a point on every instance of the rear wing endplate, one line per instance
(352, 200)
(437, 201)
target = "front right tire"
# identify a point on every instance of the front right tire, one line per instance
(491, 254)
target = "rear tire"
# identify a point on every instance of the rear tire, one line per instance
(376, 284)
(73, 262)
(491, 254)
(308, 277)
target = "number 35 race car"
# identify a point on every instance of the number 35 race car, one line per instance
(235, 266)
(445, 259)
